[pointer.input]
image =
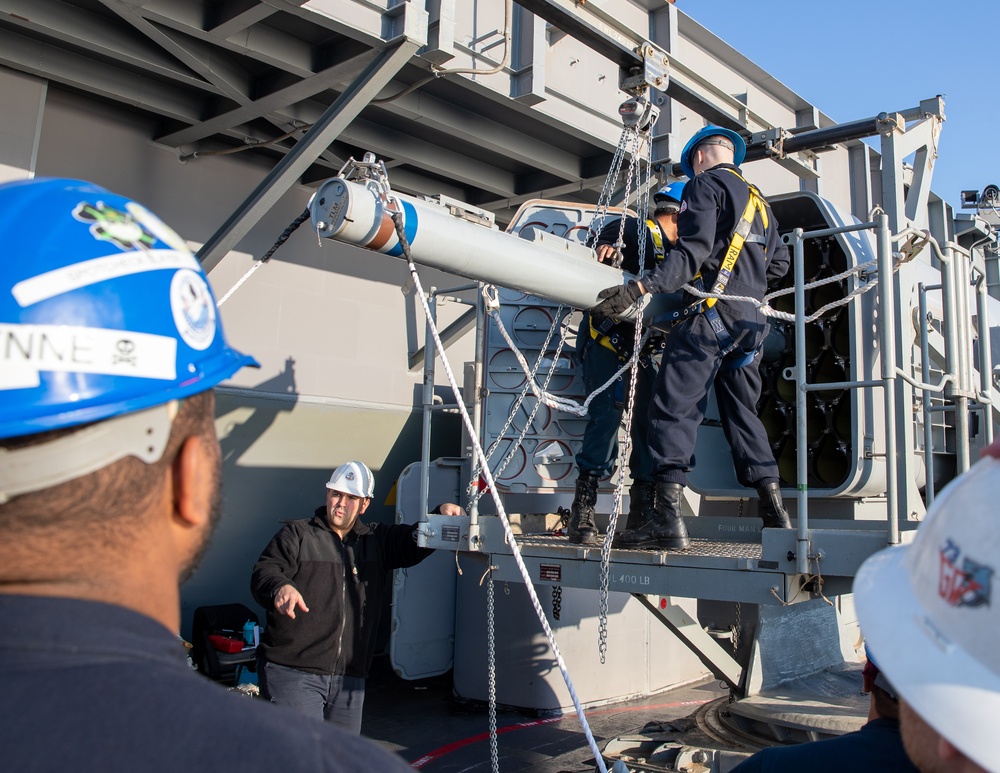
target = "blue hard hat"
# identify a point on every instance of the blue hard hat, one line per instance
(712, 131)
(104, 310)
(670, 192)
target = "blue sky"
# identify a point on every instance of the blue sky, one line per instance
(853, 59)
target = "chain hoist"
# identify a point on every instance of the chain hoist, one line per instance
(638, 115)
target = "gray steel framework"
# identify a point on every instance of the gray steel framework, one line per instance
(368, 83)
(223, 75)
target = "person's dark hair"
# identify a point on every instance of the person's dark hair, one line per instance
(115, 496)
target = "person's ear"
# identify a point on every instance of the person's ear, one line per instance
(364, 505)
(945, 750)
(193, 480)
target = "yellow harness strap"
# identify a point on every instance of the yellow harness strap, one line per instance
(755, 205)
(657, 237)
(658, 254)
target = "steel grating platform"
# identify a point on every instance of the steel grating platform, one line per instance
(699, 547)
(730, 559)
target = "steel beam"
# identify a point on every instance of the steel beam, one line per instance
(351, 18)
(62, 65)
(592, 27)
(401, 147)
(691, 633)
(587, 184)
(265, 44)
(93, 33)
(303, 89)
(230, 80)
(449, 335)
(527, 83)
(603, 33)
(237, 15)
(493, 136)
(430, 157)
(685, 581)
(324, 131)
(819, 139)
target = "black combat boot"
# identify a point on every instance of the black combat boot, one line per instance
(771, 510)
(666, 528)
(582, 528)
(641, 504)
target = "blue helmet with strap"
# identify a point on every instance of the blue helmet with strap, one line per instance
(739, 146)
(669, 194)
(104, 310)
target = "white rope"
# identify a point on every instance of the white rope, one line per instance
(563, 404)
(767, 311)
(239, 284)
(491, 483)
(473, 492)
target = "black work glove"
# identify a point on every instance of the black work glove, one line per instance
(615, 300)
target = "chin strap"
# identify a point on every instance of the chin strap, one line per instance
(142, 434)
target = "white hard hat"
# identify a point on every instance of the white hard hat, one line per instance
(928, 608)
(353, 478)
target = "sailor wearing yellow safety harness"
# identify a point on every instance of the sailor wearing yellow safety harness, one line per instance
(602, 348)
(728, 243)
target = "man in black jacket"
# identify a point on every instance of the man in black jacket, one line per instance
(728, 243)
(322, 582)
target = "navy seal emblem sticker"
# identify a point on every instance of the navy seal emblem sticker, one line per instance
(193, 308)
(113, 225)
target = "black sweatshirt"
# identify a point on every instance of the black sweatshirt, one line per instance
(342, 582)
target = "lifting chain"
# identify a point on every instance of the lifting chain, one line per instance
(556, 602)
(736, 628)
(639, 170)
(492, 670)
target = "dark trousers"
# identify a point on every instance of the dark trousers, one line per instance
(692, 364)
(330, 697)
(599, 450)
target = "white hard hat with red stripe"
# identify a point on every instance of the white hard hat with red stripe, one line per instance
(928, 609)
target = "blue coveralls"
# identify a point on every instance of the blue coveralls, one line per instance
(693, 360)
(599, 449)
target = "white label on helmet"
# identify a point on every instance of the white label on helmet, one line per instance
(194, 309)
(18, 378)
(63, 280)
(27, 349)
